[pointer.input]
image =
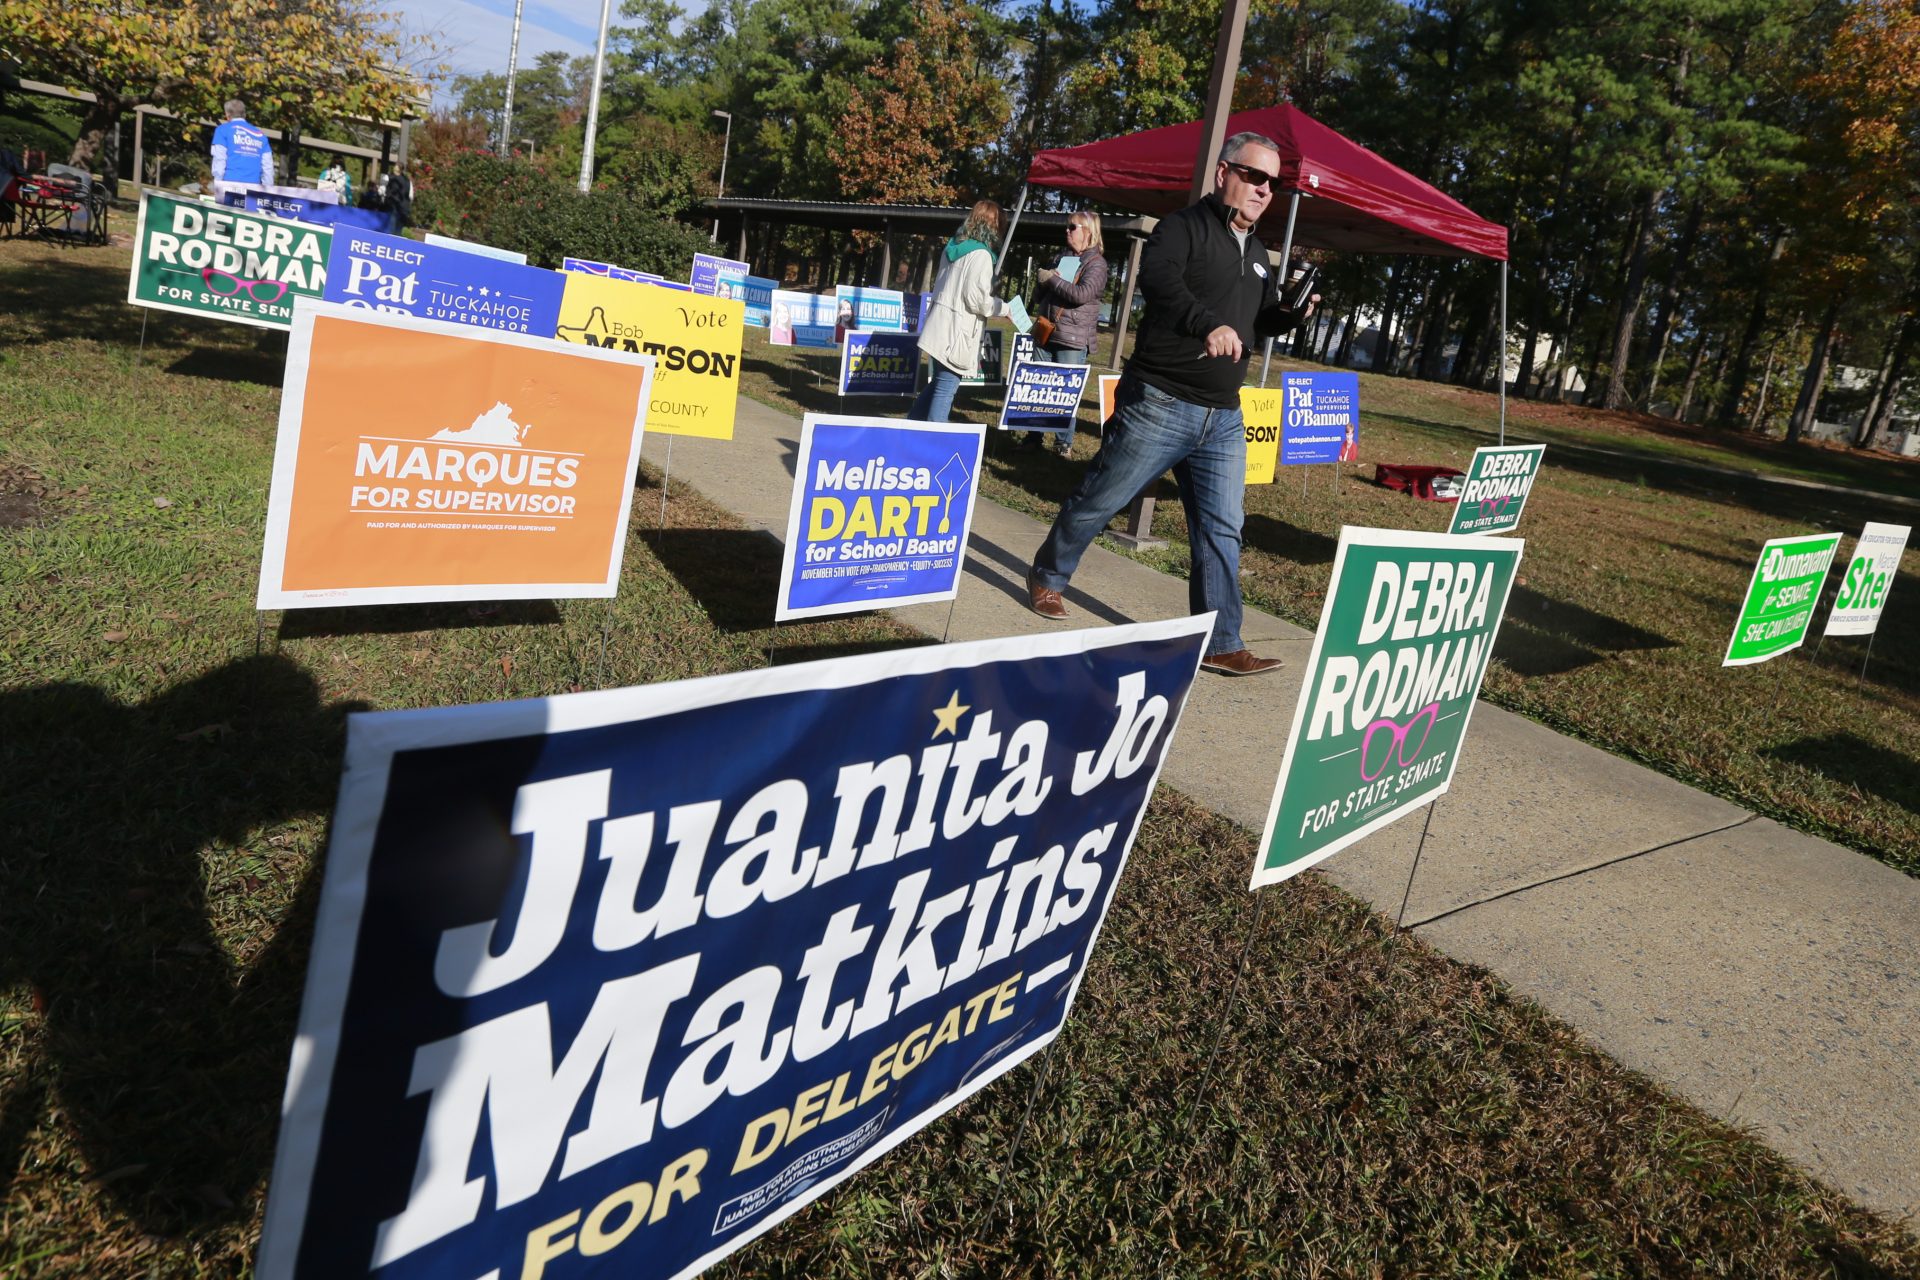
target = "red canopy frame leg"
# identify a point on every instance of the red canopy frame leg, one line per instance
(1286, 254)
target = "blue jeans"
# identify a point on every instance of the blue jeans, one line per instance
(935, 401)
(1207, 449)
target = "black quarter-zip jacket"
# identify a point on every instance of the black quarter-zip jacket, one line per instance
(1196, 277)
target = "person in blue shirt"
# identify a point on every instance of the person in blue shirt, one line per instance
(242, 157)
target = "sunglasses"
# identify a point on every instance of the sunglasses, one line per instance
(1251, 176)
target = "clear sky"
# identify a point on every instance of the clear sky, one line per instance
(473, 35)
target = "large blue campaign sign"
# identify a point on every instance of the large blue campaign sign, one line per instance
(879, 364)
(711, 273)
(1042, 396)
(880, 515)
(392, 273)
(801, 319)
(608, 984)
(757, 293)
(1320, 417)
(587, 266)
(320, 213)
(873, 309)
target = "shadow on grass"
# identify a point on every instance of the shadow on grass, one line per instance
(71, 295)
(170, 1053)
(1540, 636)
(733, 574)
(1851, 760)
(1617, 461)
(400, 619)
(263, 365)
(785, 655)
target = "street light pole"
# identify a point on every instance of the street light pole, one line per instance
(513, 64)
(593, 100)
(726, 144)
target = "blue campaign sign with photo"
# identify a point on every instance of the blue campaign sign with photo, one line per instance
(880, 516)
(757, 293)
(320, 213)
(1320, 418)
(879, 364)
(874, 309)
(586, 266)
(434, 282)
(474, 246)
(609, 984)
(710, 270)
(1043, 396)
(801, 319)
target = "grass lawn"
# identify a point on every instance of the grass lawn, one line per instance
(1637, 560)
(1376, 1108)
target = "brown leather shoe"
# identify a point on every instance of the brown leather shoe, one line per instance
(1240, 662)
(1044, 601)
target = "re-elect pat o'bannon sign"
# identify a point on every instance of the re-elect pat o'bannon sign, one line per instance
(208, 261)
(1404, 640)
(1498, 481)
(435, 282)
(880, 516)
(609, 984)
(1780, 597)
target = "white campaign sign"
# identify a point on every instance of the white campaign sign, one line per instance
(1864, 586)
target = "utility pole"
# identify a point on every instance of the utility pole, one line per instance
(593, 100)
(513, 66)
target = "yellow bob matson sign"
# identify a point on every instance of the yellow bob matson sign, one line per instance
(694, 340)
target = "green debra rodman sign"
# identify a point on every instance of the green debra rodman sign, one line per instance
(1498, 482)
(1780, 597)
(208, 261)
(1404, 641)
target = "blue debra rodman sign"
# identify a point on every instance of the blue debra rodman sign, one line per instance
(434, 282)
(1320, 417)
(1043, 397)
(879, 364)
(609, 984)
(880, 515)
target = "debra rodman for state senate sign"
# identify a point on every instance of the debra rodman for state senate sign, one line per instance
(609, 984)
(207, 261)
(881, 512)
(420, 460)
(1403, 644)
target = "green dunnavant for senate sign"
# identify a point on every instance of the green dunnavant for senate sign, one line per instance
(1780, 598)
(1404, 641)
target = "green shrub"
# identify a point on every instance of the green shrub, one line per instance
(511, 204)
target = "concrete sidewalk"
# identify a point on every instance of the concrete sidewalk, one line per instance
(1770, 977)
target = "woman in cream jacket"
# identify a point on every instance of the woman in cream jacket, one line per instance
(962, 304)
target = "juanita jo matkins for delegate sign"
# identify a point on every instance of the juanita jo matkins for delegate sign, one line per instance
(609, 984)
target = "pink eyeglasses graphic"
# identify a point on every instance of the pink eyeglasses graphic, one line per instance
(1493, 506)
(1386, 742)
(228, 285)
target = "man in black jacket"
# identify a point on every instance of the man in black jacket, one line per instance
(1210, 292)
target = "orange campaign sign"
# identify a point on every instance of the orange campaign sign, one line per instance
(419, 460)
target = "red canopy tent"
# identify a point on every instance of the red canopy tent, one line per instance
(1340, 196)
(1355, 201)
